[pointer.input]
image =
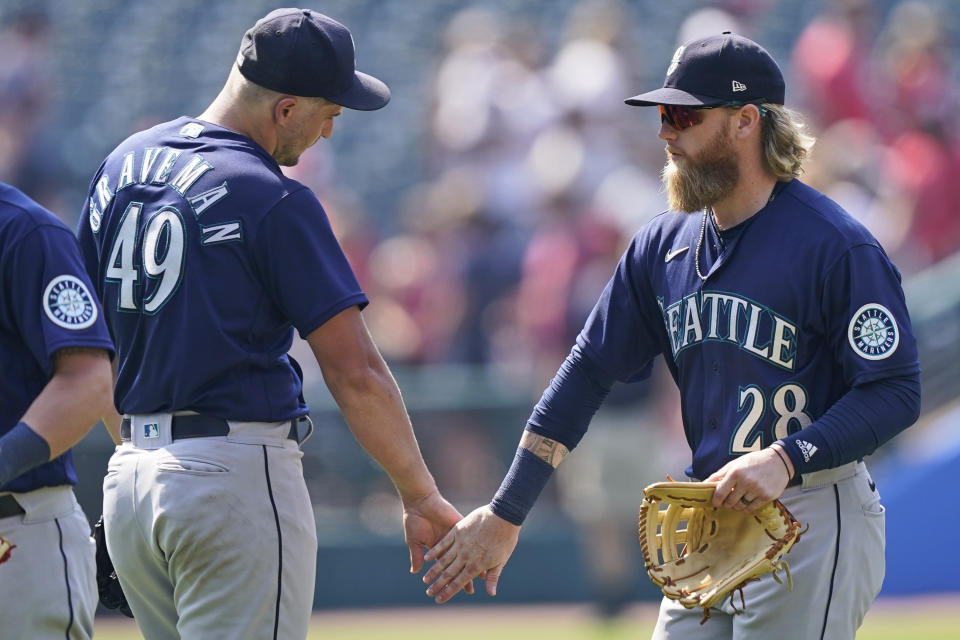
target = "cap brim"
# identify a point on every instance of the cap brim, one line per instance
(365, 94)
(669, 95)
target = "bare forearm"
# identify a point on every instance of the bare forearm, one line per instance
(368, 397)
(73, 401)
(375, 413)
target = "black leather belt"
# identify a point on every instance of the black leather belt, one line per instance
(10, 507)
(197, 426)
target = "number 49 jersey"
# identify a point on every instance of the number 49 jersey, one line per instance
(205, 257)
(799, 305)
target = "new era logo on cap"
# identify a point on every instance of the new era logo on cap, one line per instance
(701, 75)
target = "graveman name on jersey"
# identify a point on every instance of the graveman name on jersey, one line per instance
(157, 166)
(719, 316)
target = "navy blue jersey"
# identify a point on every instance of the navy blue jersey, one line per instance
(46, 304)
(206, 257)
(800, 304)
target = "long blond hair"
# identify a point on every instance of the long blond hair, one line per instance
(786, 142)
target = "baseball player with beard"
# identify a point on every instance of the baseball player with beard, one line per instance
(56, 384)
(206, 258)
(783, 323)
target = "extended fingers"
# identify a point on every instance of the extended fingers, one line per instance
(441, 563)
(450, 581)
(490, 579)
(441, 547)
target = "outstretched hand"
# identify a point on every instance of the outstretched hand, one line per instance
(424, 523)
(479, 545)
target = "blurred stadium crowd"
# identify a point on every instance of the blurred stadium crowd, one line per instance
(521, 172)
(485, 208)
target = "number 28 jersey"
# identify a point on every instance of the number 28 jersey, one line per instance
(799, 305)
(206, 257)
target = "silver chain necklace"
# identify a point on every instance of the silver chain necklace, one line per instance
(703, 233)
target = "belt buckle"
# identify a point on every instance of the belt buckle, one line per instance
(151, 430)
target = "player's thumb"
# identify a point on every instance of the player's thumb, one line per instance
(416, 557)
(491, 580)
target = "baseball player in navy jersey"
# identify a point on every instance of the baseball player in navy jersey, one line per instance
(56, 384)
(206, 258)
(783, 323)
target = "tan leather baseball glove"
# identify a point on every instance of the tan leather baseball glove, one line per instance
(5, 548)
(699, 554)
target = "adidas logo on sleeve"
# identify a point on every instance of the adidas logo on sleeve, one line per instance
(806, 449)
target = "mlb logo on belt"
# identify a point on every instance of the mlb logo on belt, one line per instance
(151, 430)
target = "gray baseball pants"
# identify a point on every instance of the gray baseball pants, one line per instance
(214, 537)
(48, 586)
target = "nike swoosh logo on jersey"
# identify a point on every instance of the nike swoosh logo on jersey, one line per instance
(673, 254)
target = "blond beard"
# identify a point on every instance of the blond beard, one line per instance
(700, 182)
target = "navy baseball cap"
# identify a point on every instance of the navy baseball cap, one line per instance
(715, 70)
(304, 53)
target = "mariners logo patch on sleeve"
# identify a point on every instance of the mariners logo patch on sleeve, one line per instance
(873, 333)
(68, 303)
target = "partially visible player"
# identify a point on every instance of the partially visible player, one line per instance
(56, 384)
(784, 325)
(206, 258)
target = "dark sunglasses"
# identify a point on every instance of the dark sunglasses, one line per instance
(681, 118)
